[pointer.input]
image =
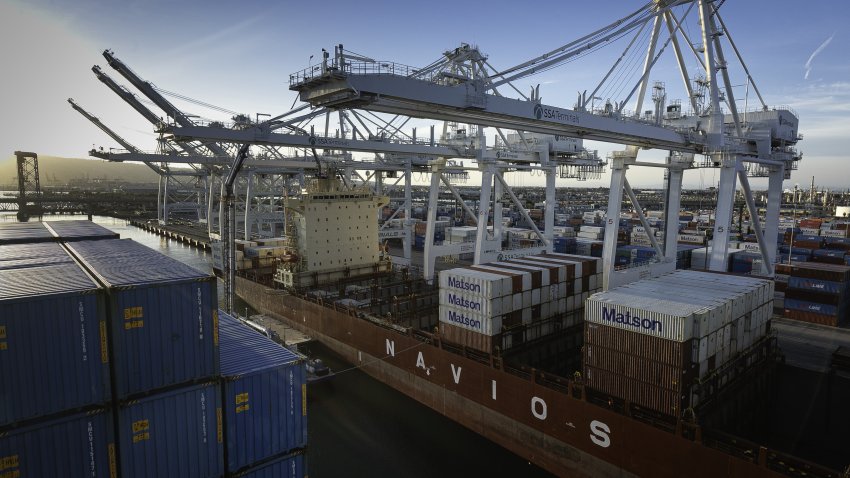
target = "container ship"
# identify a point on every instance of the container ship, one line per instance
(529, 353)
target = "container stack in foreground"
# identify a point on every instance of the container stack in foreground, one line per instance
(264, 392)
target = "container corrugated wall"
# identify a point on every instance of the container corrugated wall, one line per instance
(69, 231)
(288, 466)
(17, 256)
(24, 232)
(81, 445)
(53, 343)
(176, 433)
(162, 315)
(264, 396)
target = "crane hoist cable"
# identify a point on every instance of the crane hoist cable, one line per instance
(196, 102)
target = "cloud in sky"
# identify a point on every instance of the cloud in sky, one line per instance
(819, 49)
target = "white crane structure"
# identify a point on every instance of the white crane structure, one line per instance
(206, 148)
(462, 87)
(180, 190)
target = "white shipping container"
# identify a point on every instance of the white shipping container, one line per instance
(473, 321)
(691, 239)
(537, 261)
(475, 282)
(472, 303)
(535, 296)
(513, 265)
(526, 276)
(658, 318)
(592, 229)
(590, 235)
(641, 241)
(709, 320)
(833, 232)
(751, 246)
(647, 308)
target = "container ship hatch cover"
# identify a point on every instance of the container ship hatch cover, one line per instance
(494, 348)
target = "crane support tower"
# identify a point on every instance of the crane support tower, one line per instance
(29, 187)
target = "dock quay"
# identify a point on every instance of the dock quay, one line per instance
(193, 235)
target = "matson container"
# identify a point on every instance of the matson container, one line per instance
(162, 315)
(176, 433)
(473, 321)
(69, 231)
(53, 342)
(651, 316)
(479, 283)
(287, 466)
(264, 395)
(76, 446)
(474, 303)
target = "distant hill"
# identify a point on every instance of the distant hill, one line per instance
(56, 171)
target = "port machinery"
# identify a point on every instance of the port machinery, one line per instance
(207, 149)
(462, 87)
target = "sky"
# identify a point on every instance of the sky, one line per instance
(239, 55)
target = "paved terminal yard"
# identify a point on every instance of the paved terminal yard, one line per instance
(809, 346)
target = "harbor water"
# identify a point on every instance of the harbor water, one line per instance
(358, 426)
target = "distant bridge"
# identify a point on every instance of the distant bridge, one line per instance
(118, 204)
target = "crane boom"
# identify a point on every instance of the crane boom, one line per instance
(126, 95)
(118, 139)
(149, 91)
(468, 103)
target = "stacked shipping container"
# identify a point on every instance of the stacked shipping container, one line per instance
(815, 292)
(648, 346)
(264, 397)
(161, 311)
(109, 360)
(537, 294)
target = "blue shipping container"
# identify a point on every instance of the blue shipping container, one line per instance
(288, 466)
(176, 433)
(265, 408)
(806, 306)
(80, 445)
(53, 343)
(24, 233)
(818, 285)
(833, 253)
(15, 256)
(69, 231)
(783, 258)
(162, 314)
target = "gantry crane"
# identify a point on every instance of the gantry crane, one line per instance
(406, 154)
(468, 94)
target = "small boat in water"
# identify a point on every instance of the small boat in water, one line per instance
(317, 370)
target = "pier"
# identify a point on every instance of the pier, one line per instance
(194, 235)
